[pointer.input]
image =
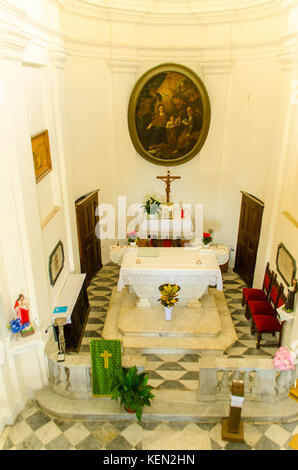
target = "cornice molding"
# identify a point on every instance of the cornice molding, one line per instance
(18, 31)
(119, 65)
(209, 53)
(13, 42)
(216, 67)
(288, 56)
(182, 12)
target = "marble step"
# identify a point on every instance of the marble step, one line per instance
(175, 345)
(161, 341)
(168, 405)
(186, 322)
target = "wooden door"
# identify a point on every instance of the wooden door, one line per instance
(89, 244)
(248, 237)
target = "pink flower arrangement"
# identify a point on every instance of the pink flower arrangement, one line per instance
(283, 359)
(132, 236)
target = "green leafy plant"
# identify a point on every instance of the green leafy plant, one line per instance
(151, 206)
(132, 390)
(169, 294)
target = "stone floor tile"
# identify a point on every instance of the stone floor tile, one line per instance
(76, 433)
(277, 434)
(60, 443)
(118, 443)
(105, 433)
(48, 432)
(133, 434)
(37, 420)
(89, 443)
(20, 432)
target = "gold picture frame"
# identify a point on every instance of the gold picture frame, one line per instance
(169, 115)
(41, 155)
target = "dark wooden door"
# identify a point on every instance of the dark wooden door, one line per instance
(89, 244)
(248, 237)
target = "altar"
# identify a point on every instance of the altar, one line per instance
(176, 228)
(145, 269)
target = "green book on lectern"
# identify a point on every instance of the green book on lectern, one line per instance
(148, 251)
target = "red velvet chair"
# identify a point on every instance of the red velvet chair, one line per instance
(265, 319)
(249, 294)
(267, 307)
(266, 324)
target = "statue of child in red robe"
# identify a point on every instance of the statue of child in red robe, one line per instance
(21, 307)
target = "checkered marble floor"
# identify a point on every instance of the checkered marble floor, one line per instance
(33, 429)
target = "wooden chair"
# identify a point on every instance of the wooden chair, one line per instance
(249, 294)
(267, 307)
(268, 324)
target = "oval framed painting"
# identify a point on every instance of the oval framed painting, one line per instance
(169, 115)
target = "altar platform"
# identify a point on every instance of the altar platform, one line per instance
(205, 330)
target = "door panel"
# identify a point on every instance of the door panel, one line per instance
(248, 237)
(89, 244)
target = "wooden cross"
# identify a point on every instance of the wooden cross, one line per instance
(168, 179)
(106, 356)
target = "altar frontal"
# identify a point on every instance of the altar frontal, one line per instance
(189, 268)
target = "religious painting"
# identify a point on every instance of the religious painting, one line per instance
(41, 155)
(56, 262)
(169, 115)
(285, 264)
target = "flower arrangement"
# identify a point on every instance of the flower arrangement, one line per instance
(169, 294)
(152, 205)
(206, 238)
(132, 237)
(16, 326)
(283, 359)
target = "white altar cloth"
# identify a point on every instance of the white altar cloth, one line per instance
(167, 228)
(173, 266)
(221, 252)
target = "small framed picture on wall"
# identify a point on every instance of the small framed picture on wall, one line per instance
(56, 262)
(41, 155)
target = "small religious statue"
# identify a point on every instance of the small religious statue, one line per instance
(168, 180)
(21, 308)
(289, 304)
(59, 323)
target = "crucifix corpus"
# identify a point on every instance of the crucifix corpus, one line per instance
(168, 180)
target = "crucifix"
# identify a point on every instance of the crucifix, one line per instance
(106, 356)
(168, 180)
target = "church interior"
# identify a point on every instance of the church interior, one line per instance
(105, 104)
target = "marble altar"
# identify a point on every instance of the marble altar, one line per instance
(192, 270)
(221, 252)
(176, 228)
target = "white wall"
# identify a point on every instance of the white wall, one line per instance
(31, 58)
(242, 81)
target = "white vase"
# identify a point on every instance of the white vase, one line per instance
(206, 245)
(132, 243)
(152, 216)
(168, 313)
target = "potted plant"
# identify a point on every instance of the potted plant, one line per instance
(132, 390)
(152, 206)
(207, 239)
(168, 298)
(132, 238)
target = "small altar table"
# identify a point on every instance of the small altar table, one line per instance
(191, 269)
(176, 228)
